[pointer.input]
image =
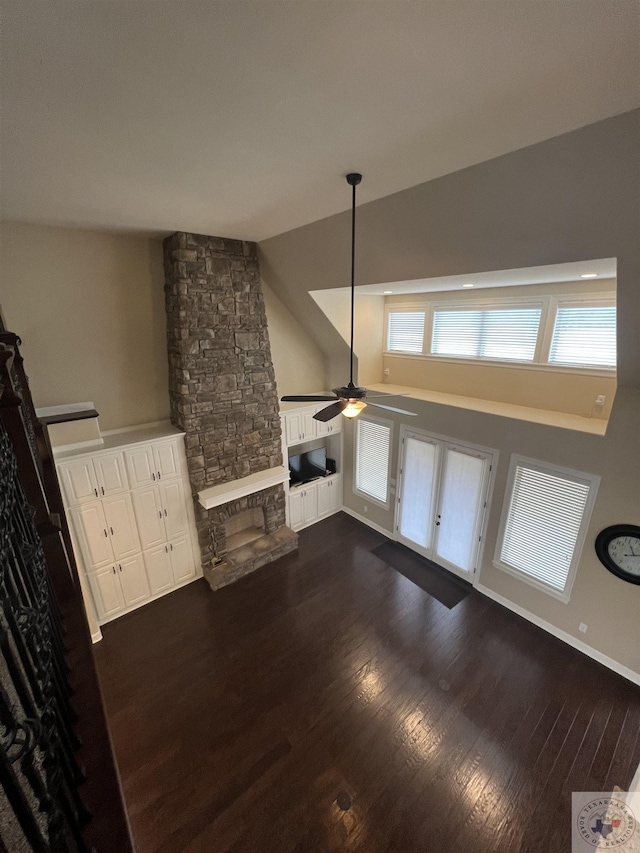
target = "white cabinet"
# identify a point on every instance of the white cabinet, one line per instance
(107, 592)
(133, 579)
(132, 516)
(300, 426)
(329, 495)
(87, 479)
(121, 523)
(149, 464)
(314, 501)
(328, 427)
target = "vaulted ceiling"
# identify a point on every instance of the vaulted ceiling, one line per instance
(240, 118)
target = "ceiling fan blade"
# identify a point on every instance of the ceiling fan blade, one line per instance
(330, 411)
(303, 398)
(387, 396)
(392, 409)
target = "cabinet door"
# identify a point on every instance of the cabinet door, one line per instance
(91, 528)
(324, 497)
(309, 425)
(296, 509)
(293, 425)
(310, 504)
(121, 523)
(147, 505)
(159, 569)
(79, 480)
(174, 509)
(111, 475)
(182, 559)
(167, 460)
(133, 579)
(107, 592)
(141, 465)
(335, 492)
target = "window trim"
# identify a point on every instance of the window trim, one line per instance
(548, 304)
(383, 422)
(590, 480)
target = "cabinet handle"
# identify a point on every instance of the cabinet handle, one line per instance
(165, 513)
(160, 513)
(106, 534)
(159, 477)
(114, 569)
(166, 550)
(111, 529)
(153, 475)
(102, 489)
(171, 546)
(96, 491)
(119, 566)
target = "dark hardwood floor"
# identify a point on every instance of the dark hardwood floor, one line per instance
(239, 716)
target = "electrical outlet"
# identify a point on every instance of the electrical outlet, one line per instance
(600, 400)
(582, 627)
(366, 509)
(386, 371)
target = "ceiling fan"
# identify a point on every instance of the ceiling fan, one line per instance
(350, 399)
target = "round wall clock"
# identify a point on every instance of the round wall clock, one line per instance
(618, 549)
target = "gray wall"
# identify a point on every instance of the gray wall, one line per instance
(572, 198)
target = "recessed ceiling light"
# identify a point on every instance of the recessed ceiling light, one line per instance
(590, 275)
(469, 284)
(387, 292)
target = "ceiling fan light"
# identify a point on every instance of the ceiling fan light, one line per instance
(353, 408)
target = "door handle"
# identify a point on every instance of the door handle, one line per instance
(437, 524)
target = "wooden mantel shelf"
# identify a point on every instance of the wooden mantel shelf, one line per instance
(226, 492)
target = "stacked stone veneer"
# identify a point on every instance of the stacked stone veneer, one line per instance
(222, 387)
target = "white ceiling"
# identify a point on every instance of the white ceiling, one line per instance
(604, 268)
(240, 118)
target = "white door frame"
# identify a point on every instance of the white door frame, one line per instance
(491, 455)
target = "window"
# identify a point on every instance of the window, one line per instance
(544, 522)
(584, 335)
(373, 443)
(505, 334)
(405, 331)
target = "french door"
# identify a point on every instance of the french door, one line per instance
(442, 500)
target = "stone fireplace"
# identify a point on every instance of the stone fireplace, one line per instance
(223, 396)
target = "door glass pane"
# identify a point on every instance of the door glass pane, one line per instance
(460, 504)
(418, 469)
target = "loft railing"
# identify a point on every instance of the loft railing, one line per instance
(60, 787)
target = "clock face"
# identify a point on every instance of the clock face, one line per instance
(618, 549)
(625, 553)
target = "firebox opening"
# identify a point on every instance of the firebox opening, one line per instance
(245, 527)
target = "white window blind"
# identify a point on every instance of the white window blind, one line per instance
(543, 523)
(584, 335)
(506, 334)
(405, 331)
(372, 458)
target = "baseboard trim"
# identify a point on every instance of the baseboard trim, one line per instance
(97, 636)
(368, 522)
(610, 663)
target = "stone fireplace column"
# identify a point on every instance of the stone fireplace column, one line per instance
(222, 386)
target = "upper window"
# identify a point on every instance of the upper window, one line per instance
(544, 522)
(577, 333)
(405, 331)
(373, 445)
(504, 334)
(584, 335)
